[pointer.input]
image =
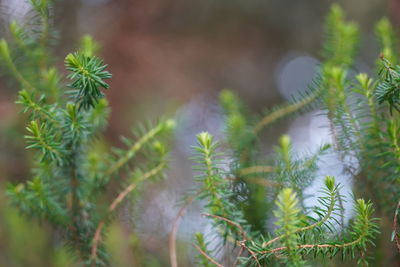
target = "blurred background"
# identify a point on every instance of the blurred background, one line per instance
(171, 58)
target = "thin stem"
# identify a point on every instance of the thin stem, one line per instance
(209, 181)
(395, 221)
(174, 230)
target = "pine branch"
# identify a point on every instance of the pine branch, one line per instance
(164, 126)
(288, 109)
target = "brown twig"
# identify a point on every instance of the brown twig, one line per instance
(96, 240)
(174, 230)
(113, 206)
(395, 226)
(207, 256)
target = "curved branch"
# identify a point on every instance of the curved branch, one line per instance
(395, 226)
(174, 231)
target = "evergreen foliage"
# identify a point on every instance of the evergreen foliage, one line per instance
(65, 123)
